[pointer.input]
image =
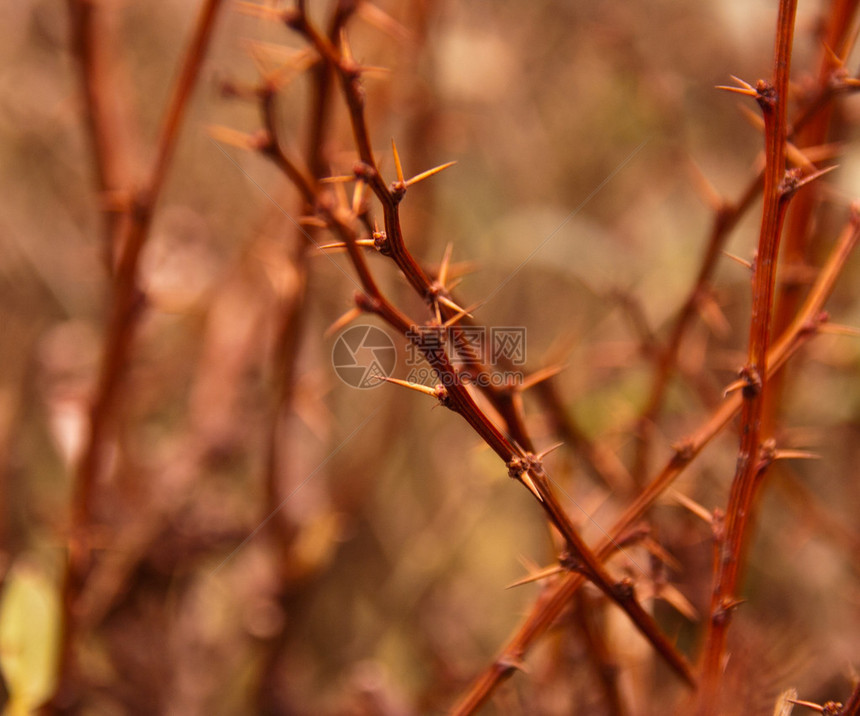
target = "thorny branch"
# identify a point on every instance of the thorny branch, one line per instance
(752, 459)
(452, 392)
(330, 65)
(556, 597)
(510, 441)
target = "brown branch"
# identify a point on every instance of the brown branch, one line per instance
(126, 304)
(852, 706)
(599, 654)
(752, 459)
(809, 129)
(556, 598)
(725, 220)
(800, 239)
(452, 391)
(290, 322)
(92, 29)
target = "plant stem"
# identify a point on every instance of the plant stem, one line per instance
(752, 458)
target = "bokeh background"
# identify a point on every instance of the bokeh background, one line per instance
(572, 206)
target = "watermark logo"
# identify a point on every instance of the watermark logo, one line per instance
(363, 356)
(470, 349)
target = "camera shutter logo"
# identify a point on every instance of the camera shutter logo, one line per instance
(363, 355)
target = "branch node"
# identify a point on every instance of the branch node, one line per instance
(684, 452)
(624, 590)
(366, 303)
(767, 454)
(765, 95)
(752, 381)
(571, 563)
(380, 242)
(723, 612)
(520, 467)
(364, 171)
(397, 189)
(509, 663)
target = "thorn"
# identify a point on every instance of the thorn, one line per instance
(258, 58)
(835, 60)
(753, 118)
(539, 376)
(262, 11)
(282, 76)
(280, 53)
(429, 173)
(738, 384)
(672, 595)
(278, 65)
(357, 196)
(807, 704)
(397, 164)
(529, 483)
(738, 259)
(345, 50)
(713, 316)
(235, 138)
(692, 506)
(528, 564)
(332, 247)
(443, 265)
(451, 286)
(839, 330)
(426, 389)
(453, 306)
(537, 576)
(461, 268)
(744, 89)
(796, 185)
(851, 41)
(374, 70)
(381, 20)
(341, 200)
(552, 448)
(729, 603)
(798, 157)
(343, 321)
(314, 221)
(463, 312)
(513, 663)
(795, 455)
(707, 192)
(823, 152)
(657, 550)
(342, 244)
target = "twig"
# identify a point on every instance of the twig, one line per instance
(551, 603)
(452, 391)
(126, 304)
(752, 459)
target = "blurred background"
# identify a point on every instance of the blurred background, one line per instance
(377, 584)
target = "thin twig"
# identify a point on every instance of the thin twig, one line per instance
(752, 460)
